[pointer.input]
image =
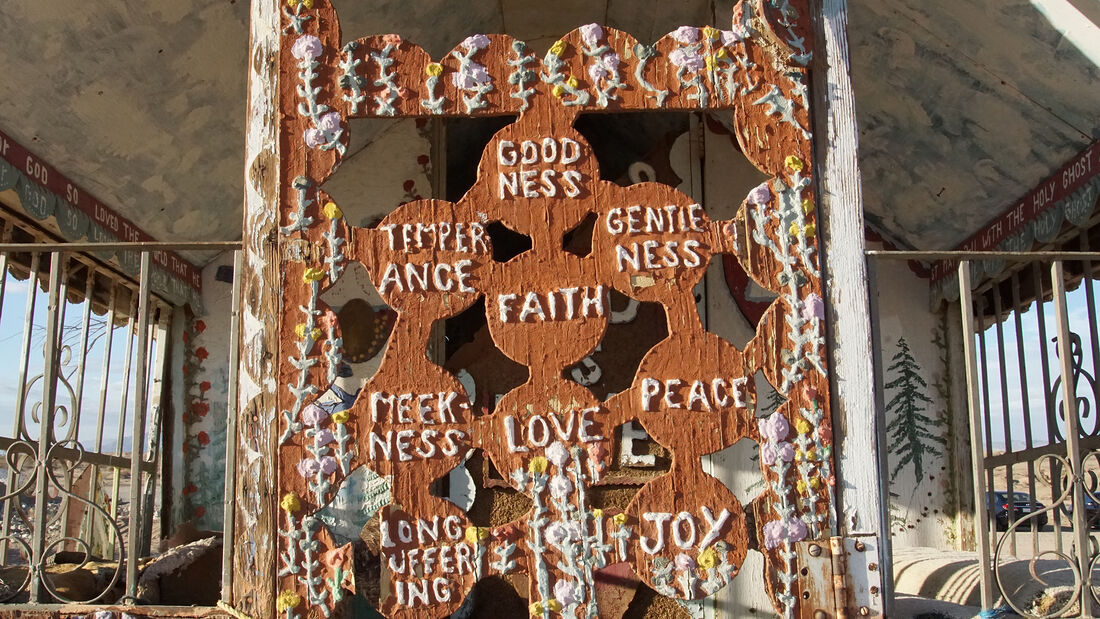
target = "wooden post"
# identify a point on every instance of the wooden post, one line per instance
(860, 494)
(255, 513)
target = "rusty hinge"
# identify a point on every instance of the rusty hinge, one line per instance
(857, 576)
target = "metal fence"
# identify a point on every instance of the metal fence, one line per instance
(86, 396)
(1031, 350)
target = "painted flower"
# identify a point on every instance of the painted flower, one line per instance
(306, 4)
(307, 47)
(691, 61)
(392, 39)
(797, 530)
(794, 163)
(774, 427)
(203, 438)
(619, 519)
(770, 453)
(597, 513)
(313, 137)
(807, 206)
(202, 353)
(560, 487)
(558, 91)
(553, 606)
(711, 63)
(476, 535)
(711, 33)
(556, 533)
(686, 35)
(291, 503)
(775, 533)
(802, 426)
(591, 34)
(684, 562)
(332, 211)
(313, 274)
(558, 454)
(308, 467)
(323, 437)
(312, 415)
(729, 37)
(611, 59)
(476, 41)
(565, 592)
(538, 464)
(204, 386)
(813, 308)
(597, 72)
(287, 599)
(558, 48)
(809, 230)
(331, 122)
(596, 455)
(761, 194)
(473, 76)
(341, 417)
(434, 69)
(328, 465)
(708, 558)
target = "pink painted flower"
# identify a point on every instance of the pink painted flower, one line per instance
(330, 122)
(691, 61)
(597, 453)
(560, 487)
(770, 453)
(797, 530)
(474, 75)
(775, 533)
(565, 592)
(729, 37)
(307, 47)
(506, 532)
(591, 34)
(312, 415)
(686, 35)
(558, 454)
(476, 41)
(328, 465)
(762, 194)
(597, 72)
(813, 308)
(392, 39)
(774, 427)
(324, 437)
(308, 467)
(684, 562)
(313, 138)
(556, 533)
(611, 60)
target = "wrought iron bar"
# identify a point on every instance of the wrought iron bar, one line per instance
(138, 440)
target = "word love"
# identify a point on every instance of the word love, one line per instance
(540, 430)
(696, 395)
(539, 181)
(681, 529)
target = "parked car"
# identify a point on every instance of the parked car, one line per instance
(1022, 505)
(1092, 510)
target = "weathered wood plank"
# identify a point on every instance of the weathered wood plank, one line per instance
(254, 560)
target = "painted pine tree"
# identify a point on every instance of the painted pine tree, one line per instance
(911, 439)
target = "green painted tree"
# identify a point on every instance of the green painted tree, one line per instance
(911, 437)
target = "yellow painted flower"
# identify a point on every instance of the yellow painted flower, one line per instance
(801, 485)
(798, 455)
(287, 600)
(811, 455)
(619, 519)
(313, 274)
(708, 558)
(553, 605)
(558, 90)
(802, 426)
(793, 230)
(572, 82)
(597, 513)
(810, 230)
(807, 206)
(341, 417)
(721, 53)
(475, 535)
(559, 47)
(434, 69)
(794, 163)
(711, 32)
(313, 333)
(332, 211)
(536, 608)
(538, 464)
(815, 483)
(291, 503)
(307, 4)
(711, 63)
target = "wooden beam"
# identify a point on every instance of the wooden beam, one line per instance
(255, 514)
(860, 493)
